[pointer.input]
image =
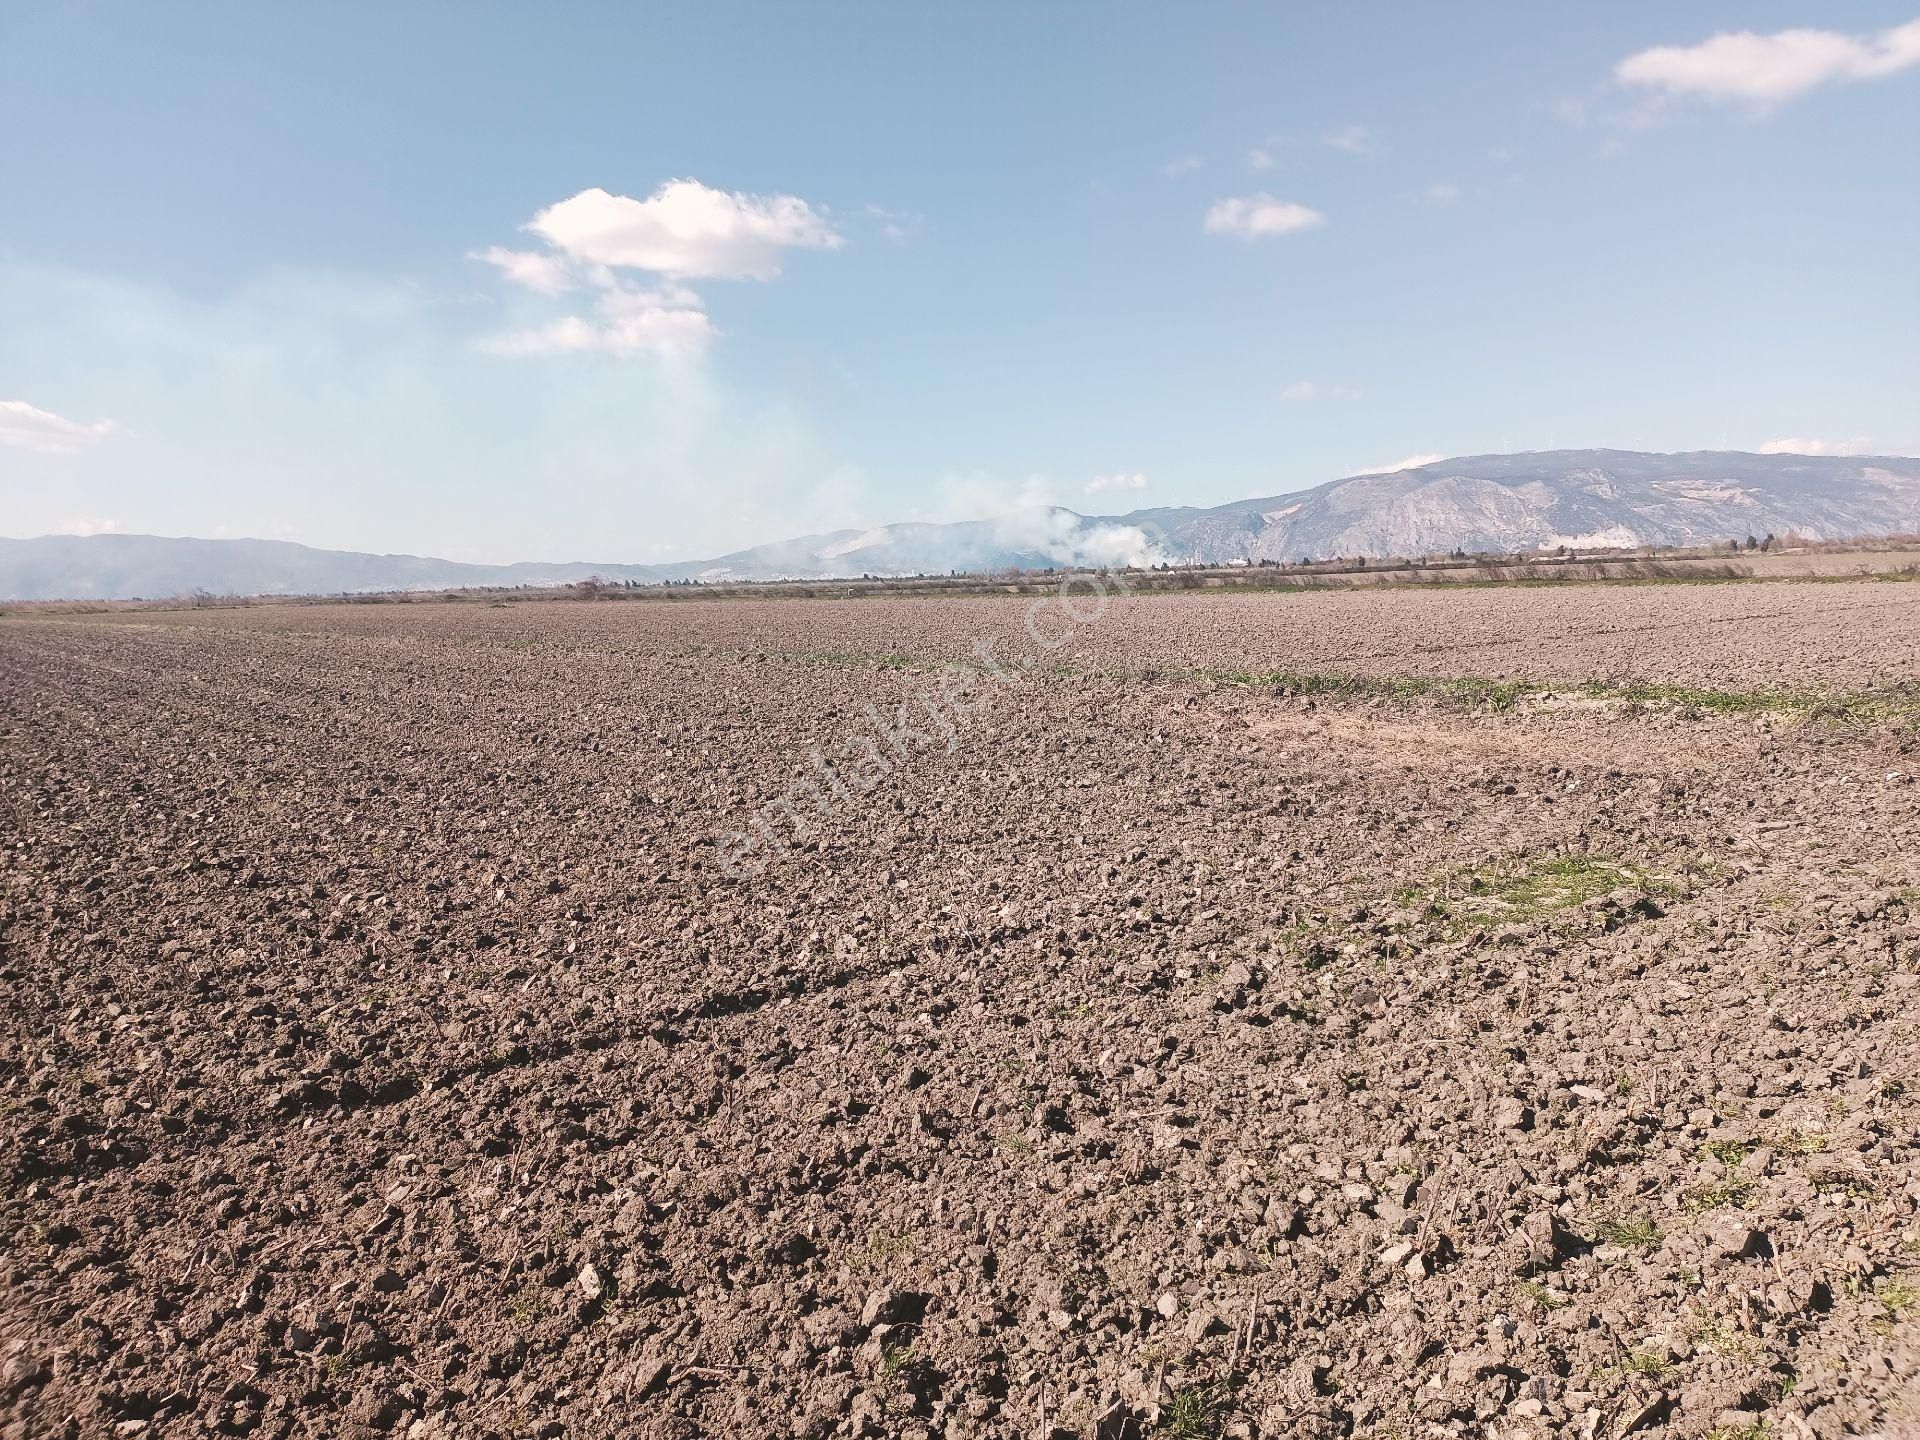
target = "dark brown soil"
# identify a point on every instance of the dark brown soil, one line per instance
(384, 1048)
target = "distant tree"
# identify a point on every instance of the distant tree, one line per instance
(1752, 544)
(1767, 544)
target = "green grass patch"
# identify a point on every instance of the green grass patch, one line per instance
(1801, 1142)
(1899, 703)
(1631, 1232)
(1195, 1412)
(1735, 1190)
(1730, 1153)
(528, 1304)
(1532, 886)
(1538, 1295)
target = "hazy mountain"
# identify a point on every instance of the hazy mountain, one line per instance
(123, 567)
(1557, 497)
(1477, 503)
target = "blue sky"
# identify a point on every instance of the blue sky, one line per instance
(923, 261)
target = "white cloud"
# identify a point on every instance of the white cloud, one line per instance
(1799, 445)
(27, 427)
(1251, 216)
(1442, 192)
(1261, 157)
(548, 274)
(1768, 69)
(1185, 165)
(1354, 139)
(899, 226)
(1100, 483)
(87, 525)
(1302, 392)
(685, 229)
(669, 321)
(1411, 462)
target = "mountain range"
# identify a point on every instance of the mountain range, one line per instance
(1587, 499)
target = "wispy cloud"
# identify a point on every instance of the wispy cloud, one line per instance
(1100, 483)
(1741, 66)
(1443, 192)
(1302, 392)
(1354, 139)
(1804, 445)
(87, 525)
(1253, 216)
(28, 427)
(546, 274)
(1184, 165)
(627, 321)
(898, 226)
(1410, 462)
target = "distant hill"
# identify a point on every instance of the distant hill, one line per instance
(1578, 498)
(155, 567)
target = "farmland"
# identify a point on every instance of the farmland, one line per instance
(1470, 1011)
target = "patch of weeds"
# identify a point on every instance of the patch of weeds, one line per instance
(1539, 1295)
(1735, 1190)
(1195, 1412)
(1529, 887)
(1758, 1430)
(1631, 1232)
(1468, 691)
(343, 1363)
(529, 1304)
(1730, 1153)
(1850, 1185)
(1896, 1294)
(852, 659)
(894, 1360)
(1268, 1257)
(1888, 704)
(1016, 1142)
(884, 1246)
(1645, 1362)
(1801, 1142)
(1716, 1334)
